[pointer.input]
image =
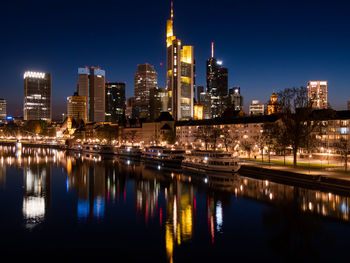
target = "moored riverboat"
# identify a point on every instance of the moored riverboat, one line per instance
(97, 148)
(210, 161)
(161, 157)
(127, 152)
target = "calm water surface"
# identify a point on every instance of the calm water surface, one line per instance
(68, 206)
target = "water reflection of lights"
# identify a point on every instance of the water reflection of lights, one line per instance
(33, 207)
(219, 217)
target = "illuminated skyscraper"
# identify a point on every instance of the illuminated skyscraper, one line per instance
(200, 89)
(115, 101)
(205, 99)
(145, 80)
(158, 102)
(180, 75)
(37, 96)
(236, 98)
(317, 93)
(2, 110)
(91, 84)
(76, 107)
(217, 84)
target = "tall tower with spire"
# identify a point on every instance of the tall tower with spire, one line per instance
(217, 84)
(180, 74)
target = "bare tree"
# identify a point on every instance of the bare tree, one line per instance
(215, 135)
(228, 137)
(247, 146)
(343, 147)
(203, 134)
(297, 118)
(130, 135)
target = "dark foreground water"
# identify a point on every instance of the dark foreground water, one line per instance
(55, 205)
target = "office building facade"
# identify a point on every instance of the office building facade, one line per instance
(236, 98)
(158, 102)
(217, 84)
(317, 94)
(91, 84)
(146, 78)
(3, 113)
(200, 89)
(180, 75)
(37, 96)
(205, 98)
(77, 107)
(115, 101)
(256, 108)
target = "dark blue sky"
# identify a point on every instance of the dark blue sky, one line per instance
(266, 45)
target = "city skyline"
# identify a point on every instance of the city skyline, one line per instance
(266, 46)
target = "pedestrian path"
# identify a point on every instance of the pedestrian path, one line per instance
(313, 171)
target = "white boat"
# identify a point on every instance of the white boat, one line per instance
(161, 157)
(128, 152)
(97, 148)
(211, 161)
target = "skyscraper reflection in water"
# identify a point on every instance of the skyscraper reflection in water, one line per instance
(179, 215)
(36, 193)
(89, 180)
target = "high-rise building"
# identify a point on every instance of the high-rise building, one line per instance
(205, 98)
(2, 110)
(158, 102)
(198, 112)
(130, 111)
(273, 106)
(348, 104)
(236, 98)
(217, 84)
(180, 75)
(145, 80)
(200, 89)
(317, 94)
(256, 108)
(77, 107)
(37, 96)
(115, 101)
(91, 84)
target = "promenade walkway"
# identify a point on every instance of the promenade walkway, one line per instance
(334, 173)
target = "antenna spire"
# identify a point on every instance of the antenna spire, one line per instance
(212, 49)
(172, 12)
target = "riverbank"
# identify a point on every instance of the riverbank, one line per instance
(322, 179)
(310, 178)
(35, 145)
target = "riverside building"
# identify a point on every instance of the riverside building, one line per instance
(37, 96)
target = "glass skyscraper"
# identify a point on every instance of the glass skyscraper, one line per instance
(37, 96)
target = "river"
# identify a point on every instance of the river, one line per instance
(70, 206)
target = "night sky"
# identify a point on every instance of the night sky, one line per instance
(266, 45)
